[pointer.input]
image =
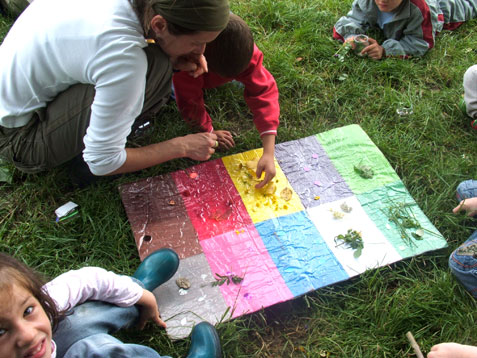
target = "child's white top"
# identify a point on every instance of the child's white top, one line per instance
(55, 44)
(92, 283)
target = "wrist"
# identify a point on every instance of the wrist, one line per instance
(178, 147)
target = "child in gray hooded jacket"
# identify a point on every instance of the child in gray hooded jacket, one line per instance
(409, 26)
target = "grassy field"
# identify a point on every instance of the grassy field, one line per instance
(431, 150)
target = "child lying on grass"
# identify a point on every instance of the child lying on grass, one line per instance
(409, 26)
(234, 56)
(74, 314)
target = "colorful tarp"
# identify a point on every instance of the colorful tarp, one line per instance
(272, 245)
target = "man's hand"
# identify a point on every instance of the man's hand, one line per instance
(225, 139)
(199, 146)
(374, 50)
(469, 205)
(148, 310)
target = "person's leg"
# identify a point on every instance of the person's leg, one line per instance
(470, 91)
(457, 12)
(95, 317)
(105, 346)
(463, 264)
(54, 135)
(91, 318)
(466, 190)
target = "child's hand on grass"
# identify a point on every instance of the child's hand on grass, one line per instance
(225, 139)
(469, 205)
(266, 165)
(374, 50)
(452, 350)
(149, 310)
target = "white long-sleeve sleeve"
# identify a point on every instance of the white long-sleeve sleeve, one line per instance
(92, 283)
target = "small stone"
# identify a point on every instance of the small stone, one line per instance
(182, 282)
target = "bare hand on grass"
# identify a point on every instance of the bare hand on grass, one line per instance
(225, 139)
(469, 205)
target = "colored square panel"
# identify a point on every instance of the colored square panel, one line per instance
(350, 146)
(212, 202)
(300, 253)
(377, 250)
(155, 222)
(182, 309)
(310, 172)
(243, 254)
(390, 201)
(260, 204)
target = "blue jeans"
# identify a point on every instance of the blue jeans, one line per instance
(85, 333)
(466, 190)
(463, 261)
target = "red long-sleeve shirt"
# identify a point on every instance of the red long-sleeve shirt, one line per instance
(260, 93)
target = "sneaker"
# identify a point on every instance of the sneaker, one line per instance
(463, 108)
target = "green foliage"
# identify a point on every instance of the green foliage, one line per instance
(431, 150)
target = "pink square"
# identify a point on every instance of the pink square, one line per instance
(242, 253)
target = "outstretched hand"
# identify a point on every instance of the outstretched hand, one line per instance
(225, 139)
(266, 165)
(374, 50)
(469, 205)
(148, 310)
(452, 350)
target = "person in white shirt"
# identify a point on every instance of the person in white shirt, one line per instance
(74, 314)
(76, 74)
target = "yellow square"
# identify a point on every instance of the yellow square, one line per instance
(276, 199)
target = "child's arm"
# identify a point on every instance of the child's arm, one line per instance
(149, 310)
(261, 96)
(190, 100)
(355, 22)
(266, 164)
(452, 350)
(93, 283)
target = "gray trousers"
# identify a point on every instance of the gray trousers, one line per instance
(55, 133)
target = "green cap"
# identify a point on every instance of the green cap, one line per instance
(196, 15)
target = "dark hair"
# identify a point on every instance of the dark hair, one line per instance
(230, 53)
(145, 12)
(14, 272)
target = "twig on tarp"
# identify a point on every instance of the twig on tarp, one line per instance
(414, 345)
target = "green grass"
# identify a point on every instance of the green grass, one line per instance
(431, 150)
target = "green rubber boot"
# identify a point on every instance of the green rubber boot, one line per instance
(157, 268)
(205, 342)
